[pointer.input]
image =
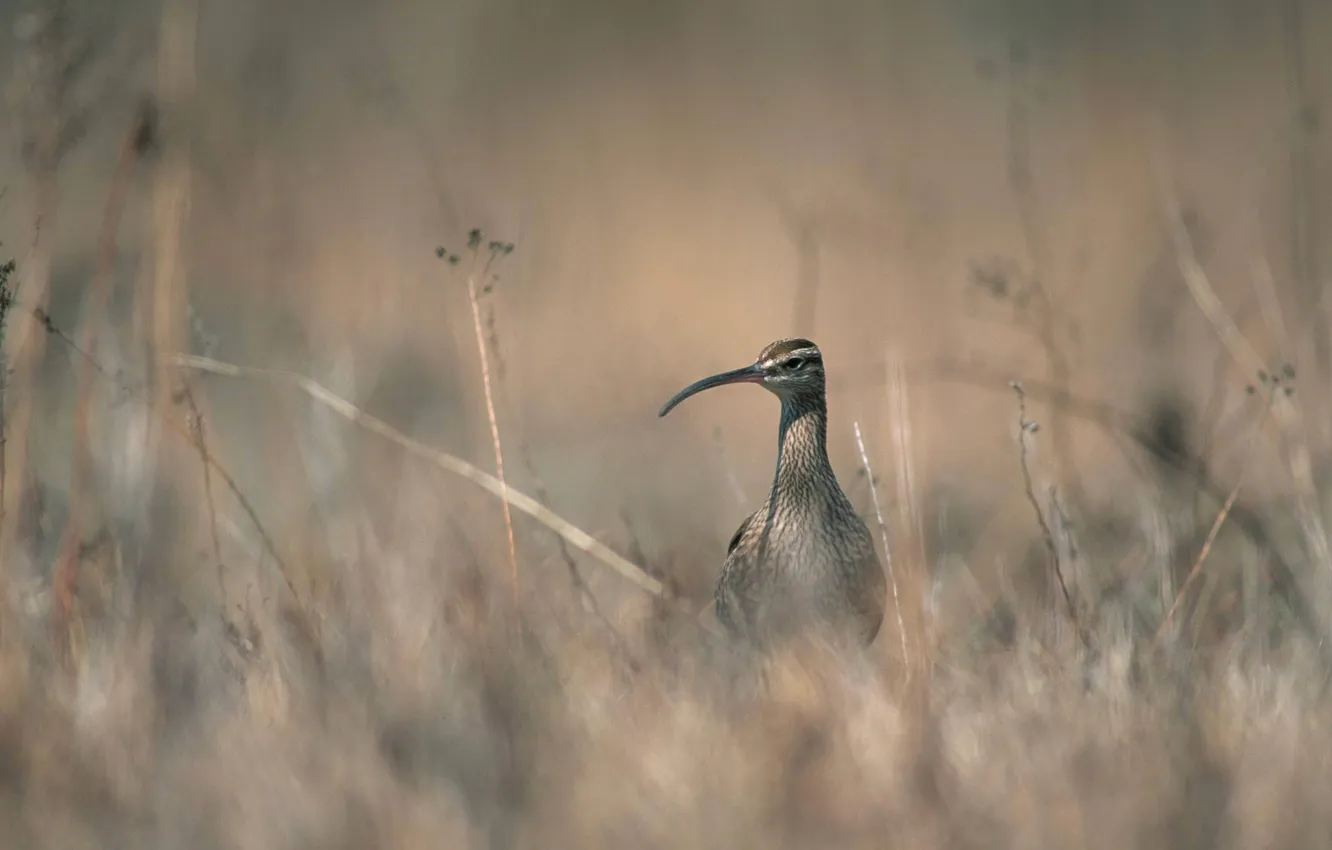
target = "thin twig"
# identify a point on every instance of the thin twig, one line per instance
(1026, 197)
(899, 411)
(1284, 412)
(1025, 428)
(1260, 273)
(1221, 516)
(1202, 556)
(44, 321)
(490, 410)
(43, 112)
(589, 599)
(6, 304)
(576, 536)
(64, 577)
(200, 441)
(585, 594)
(1126, 431)
(1304, 147)
(1195, 278)
(883, 533)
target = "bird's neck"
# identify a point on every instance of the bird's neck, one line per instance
(802, 445)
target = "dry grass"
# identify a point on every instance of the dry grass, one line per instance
(422, 733)
(270, 603)
(416, 715)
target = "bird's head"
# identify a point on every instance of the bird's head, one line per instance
(789, 368)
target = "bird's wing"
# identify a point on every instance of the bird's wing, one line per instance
(740, 532)
(871, 596)
(726, 603)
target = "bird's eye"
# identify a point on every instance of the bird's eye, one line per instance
(794, 363)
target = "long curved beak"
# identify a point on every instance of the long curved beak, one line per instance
(751, 374)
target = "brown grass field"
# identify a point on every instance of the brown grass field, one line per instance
(260, 589)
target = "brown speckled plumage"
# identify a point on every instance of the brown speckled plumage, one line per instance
(804, 558)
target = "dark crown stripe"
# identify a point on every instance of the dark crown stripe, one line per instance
(783, 347)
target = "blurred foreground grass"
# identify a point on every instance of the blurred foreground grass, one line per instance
(325, 652)
(391, 697)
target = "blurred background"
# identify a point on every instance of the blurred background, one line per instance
(236, 619)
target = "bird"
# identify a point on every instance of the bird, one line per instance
(804, 559)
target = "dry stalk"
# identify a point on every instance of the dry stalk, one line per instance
(161, 293)
(171, 195)
(588, 599)
(915, 577)
(1227, 506)
(6, 304)
(196, 422)
(64, 578)
(1025, 428)
(44, 321)
(269, 546)
(1126, 432)
(1284, 412)
(1198, 562)
(474, 299)
(1123, 427)
(1022, 183)
(1195, 278)
(1304, 154)
(883, 533)
(48, 113)
(1264, 287)
(585, 594)
(575, 536)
